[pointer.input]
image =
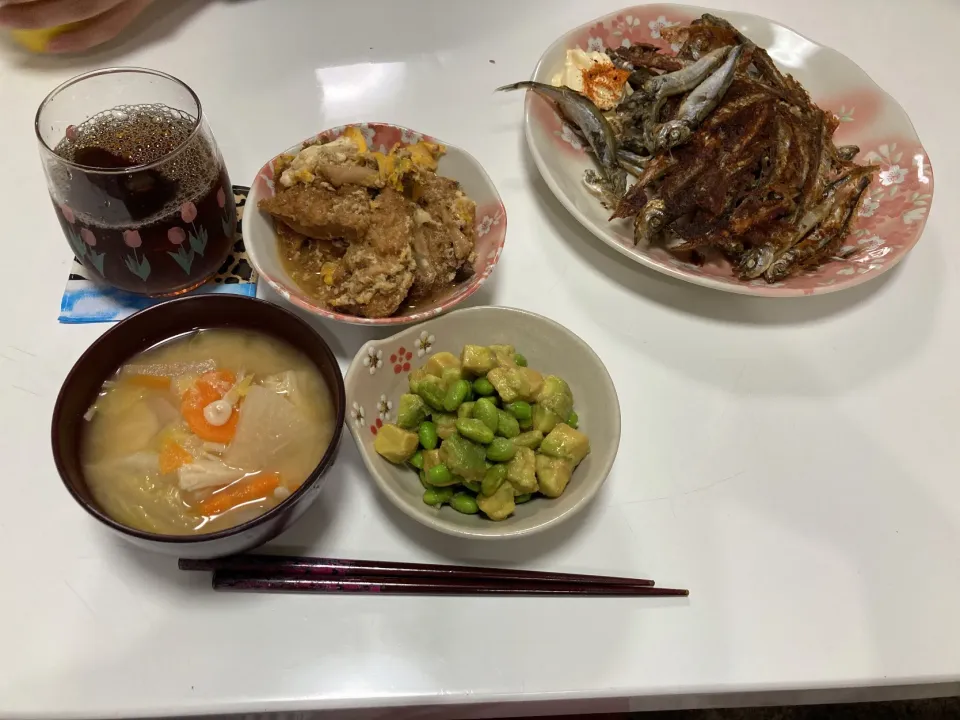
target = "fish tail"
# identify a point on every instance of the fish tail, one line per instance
(523, 84)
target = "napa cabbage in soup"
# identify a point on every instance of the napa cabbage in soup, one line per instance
(206, 431)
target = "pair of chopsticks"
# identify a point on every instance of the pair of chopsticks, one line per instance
(279, 573)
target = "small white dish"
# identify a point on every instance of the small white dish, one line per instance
(491, 225)
(378, 376)
(891, 218)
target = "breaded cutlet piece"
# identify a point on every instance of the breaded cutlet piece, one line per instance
(444, 238)
(377, 271)
(321, 212)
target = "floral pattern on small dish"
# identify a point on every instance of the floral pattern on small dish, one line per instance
(894, 210)
(373, 360)
(357, 414)
(424, 343)
(385, 408)
(490, 236)
(401, 360)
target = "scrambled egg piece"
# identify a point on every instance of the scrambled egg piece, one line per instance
(402, 161)
(344, 161)
(327, 271)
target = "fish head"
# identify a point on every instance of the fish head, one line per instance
(756, 261)
(648, 223)
(671, 134)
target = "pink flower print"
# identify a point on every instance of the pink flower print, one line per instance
(88, 237)
(176, 235)
(68, 214)
(132, 238)
(188, 211)
(893, 175)
(221, 199)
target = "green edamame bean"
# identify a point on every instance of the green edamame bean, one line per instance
(486, 412)
(507, 424)
(475, 430)
(483, 387)
(423, 481)
(471, 485)
(437, 496)
(464, 503)
(456, 395)
(520, 360)
(501, 449)
(574, 420)
(520, 499)
(493, 479)
(417, 460)
(520, 410)
(465, 410)
(428, 435)
(526, 425)
(439, 475)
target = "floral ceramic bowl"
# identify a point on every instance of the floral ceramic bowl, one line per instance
(378, 376)
(891, 218)
(491, 225)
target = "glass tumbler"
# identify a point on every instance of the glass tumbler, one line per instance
(137, 180)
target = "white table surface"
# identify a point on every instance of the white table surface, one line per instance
(795, 463)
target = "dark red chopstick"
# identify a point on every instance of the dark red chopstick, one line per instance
(282, 566)
(242, 581)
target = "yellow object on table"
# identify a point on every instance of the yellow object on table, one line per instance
(37, 40)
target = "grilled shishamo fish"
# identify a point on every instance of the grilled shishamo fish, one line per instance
(593, 126)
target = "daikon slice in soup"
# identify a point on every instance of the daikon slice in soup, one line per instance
(205, 431)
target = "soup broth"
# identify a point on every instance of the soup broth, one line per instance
(205, 432)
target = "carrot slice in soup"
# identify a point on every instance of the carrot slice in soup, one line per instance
(173, 456)
(209, 388)
(240, 493)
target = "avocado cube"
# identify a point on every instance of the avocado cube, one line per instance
(412, 411)
(477, 359)
(500, 505)
(446, 424)
(516, 383)
(415, 377)
(450, 375)
(396, 444)
(431, 458)
(463, 457)
(553, 474)
(500, 379)
(522, 471)
(530, 439)
(566, 443)
(439, 362)
(504, 355)
(527, 383)
(544, 420)
(432, 390)
(555, 396)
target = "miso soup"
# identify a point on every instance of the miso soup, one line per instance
(205, 431)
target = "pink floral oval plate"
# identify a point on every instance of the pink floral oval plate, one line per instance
(491, 226)
(891, 217)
